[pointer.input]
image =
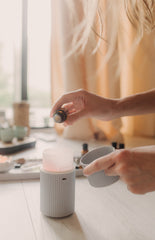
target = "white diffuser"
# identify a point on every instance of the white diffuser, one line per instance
(57, 183)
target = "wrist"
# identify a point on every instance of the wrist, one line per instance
(111, 109)
(119, 108)
(116, 108)
(125, 107)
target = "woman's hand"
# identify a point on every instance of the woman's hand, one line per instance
(136, 167)
(81, 103)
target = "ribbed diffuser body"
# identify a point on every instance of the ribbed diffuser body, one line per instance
(57, 191)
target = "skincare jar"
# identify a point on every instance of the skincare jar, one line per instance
(57, 183)
(6, 163)
(98, 179)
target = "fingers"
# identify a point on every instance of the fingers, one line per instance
(100, 164)
(73, 103)
(71, 118)
(69, 107)
(115, 163)
(69, 97)
(64, 99)
(111, 171)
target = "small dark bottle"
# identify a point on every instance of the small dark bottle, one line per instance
(114, 144)
(60, 116)
(84, 148)
(84, 151)
(121, 146)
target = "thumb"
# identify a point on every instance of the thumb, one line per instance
(71, 118)
(99, 164)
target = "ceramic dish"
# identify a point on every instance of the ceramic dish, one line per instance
(98, 179)
(6, 165)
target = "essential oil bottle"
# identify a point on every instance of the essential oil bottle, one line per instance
(84, 149)
(114, 144)
(121, 145)
(60, 116)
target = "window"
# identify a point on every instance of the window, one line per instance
(25, 34)
(10, 44)
(39, 42)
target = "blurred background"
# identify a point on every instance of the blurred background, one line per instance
(35, 39)
(25, 56)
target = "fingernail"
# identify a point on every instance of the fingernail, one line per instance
(85, 173)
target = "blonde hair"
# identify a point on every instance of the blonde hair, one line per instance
(89, 16)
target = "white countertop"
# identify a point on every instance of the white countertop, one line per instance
(111, 213)
(100, 213)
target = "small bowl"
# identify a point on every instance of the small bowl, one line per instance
(6, 165)
(20, 132)
(98, 179)
(7, 134)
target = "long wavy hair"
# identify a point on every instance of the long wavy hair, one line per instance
(89, 18)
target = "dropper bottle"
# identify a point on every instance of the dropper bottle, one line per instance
(84, 149)
(60, 115)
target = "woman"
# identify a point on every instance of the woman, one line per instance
(136, 167)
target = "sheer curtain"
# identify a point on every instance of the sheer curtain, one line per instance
(88, 71)
(74, 72)
(137, 75)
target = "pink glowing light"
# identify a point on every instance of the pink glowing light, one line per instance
(3, 159)
(57, 159)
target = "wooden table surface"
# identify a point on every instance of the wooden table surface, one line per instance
(110, 213)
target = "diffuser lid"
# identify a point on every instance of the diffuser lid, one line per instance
(58, 159)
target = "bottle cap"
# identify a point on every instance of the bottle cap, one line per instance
(85, 146)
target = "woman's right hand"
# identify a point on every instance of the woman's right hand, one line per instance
(81, 103)
(136, 167)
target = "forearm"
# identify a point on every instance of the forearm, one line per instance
(141, 103)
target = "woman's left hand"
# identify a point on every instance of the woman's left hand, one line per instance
(136, 167)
